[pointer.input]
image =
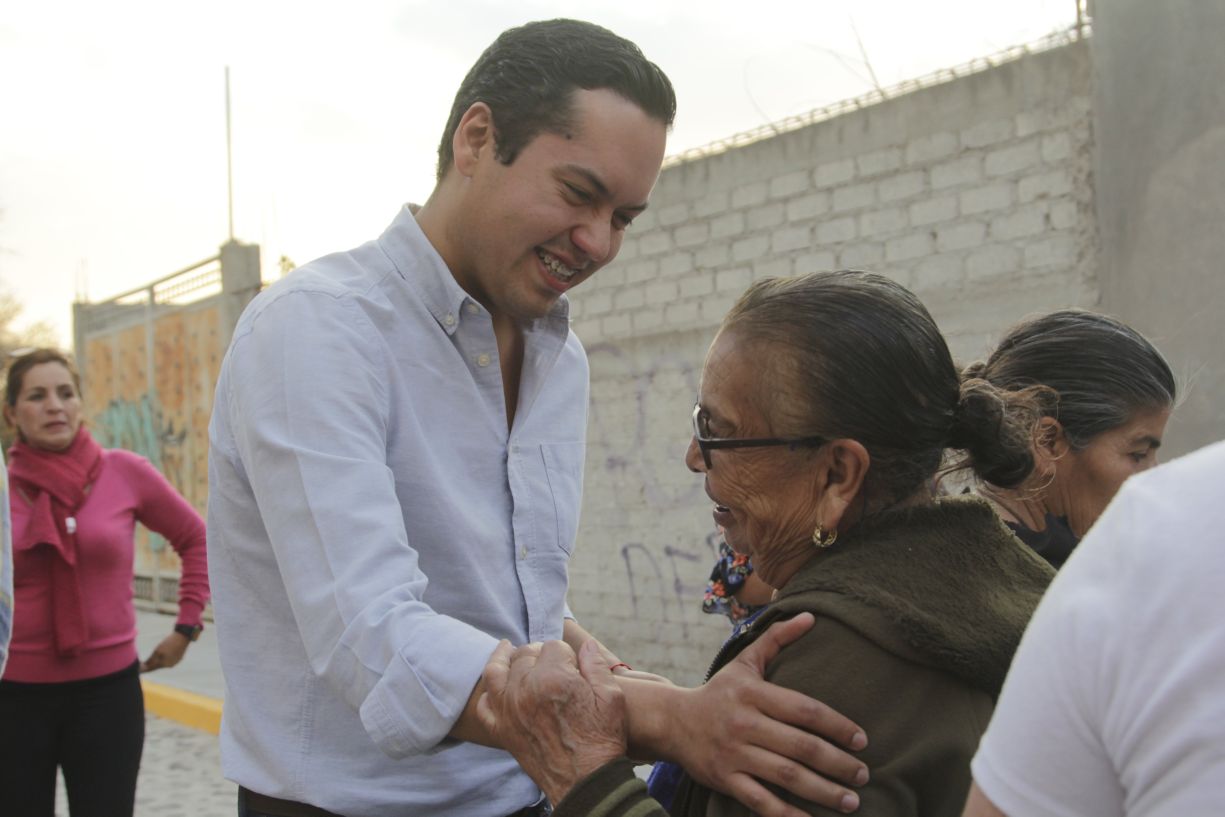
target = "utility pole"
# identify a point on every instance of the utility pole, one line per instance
(229, 155)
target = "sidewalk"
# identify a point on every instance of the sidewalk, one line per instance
(190, 693)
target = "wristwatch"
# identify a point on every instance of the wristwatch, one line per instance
(189, 631)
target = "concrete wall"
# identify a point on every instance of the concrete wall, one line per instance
(975, 193)
(1159, 73)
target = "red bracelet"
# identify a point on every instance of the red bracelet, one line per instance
(620, 664)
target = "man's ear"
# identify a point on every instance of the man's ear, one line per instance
(473, 136)
(842, 468)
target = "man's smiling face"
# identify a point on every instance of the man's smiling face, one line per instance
(540, 226)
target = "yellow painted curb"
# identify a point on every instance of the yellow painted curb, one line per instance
(188, 708)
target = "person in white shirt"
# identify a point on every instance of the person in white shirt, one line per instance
(1113, 705)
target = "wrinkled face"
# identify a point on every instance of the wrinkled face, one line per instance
(48, 409)
(764, 498)
(1087, 479)
(542, 225)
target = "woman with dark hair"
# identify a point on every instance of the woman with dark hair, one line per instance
(71, 696)
(826, 404)
(1111, 393)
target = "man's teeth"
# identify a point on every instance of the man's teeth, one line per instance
(554, 266)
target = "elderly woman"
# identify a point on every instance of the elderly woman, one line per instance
(826, 405)
(1111, 396)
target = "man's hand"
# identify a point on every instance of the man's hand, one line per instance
(560, 719)
(738, 730)
(166, 654)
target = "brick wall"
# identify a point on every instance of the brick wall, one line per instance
(975, 193)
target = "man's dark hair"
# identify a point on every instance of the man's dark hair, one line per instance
(529, 74)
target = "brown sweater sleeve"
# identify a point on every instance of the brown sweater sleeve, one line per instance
(610, 791)
(922, 725)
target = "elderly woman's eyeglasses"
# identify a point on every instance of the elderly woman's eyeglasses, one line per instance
(707, 443)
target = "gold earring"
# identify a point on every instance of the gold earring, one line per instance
(823, 538)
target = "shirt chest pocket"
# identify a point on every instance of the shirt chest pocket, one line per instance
(563, 469)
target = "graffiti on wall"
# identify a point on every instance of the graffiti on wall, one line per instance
(150, 386)
(140, 426)
(682, 592)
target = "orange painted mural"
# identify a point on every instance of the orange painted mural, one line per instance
(149, 385)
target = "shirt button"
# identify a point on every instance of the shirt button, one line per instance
(472, 309)
(449, 320)
(523, 552)
(482, 360)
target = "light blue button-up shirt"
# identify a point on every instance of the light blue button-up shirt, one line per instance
(374, 529)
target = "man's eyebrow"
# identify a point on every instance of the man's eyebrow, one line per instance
(600, 188)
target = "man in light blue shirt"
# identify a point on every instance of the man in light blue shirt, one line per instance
(396, 451)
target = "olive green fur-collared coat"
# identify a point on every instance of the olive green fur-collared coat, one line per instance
(919, 611)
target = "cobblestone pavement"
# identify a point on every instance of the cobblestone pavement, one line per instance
(180, 775)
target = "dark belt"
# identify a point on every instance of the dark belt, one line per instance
(277, 807)
(541, 809)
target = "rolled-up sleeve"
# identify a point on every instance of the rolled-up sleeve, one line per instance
(309, 409)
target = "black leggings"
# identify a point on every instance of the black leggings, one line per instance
(93, 729)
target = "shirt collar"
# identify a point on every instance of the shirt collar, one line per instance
(417, 261)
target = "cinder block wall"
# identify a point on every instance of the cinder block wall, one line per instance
(975, 193)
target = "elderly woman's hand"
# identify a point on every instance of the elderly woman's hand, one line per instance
(560, 718)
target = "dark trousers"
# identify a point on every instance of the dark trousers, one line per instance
(93, 729)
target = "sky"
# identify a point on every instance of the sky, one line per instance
(112, 115)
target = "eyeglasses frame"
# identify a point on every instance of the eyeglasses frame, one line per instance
(708, 444)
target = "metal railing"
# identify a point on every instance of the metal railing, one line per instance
(196, 282)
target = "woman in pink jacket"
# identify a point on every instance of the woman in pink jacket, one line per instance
(70, 696)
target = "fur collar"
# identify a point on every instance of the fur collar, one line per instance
(945, 584)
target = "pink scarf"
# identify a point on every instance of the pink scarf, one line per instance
(56, 483)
